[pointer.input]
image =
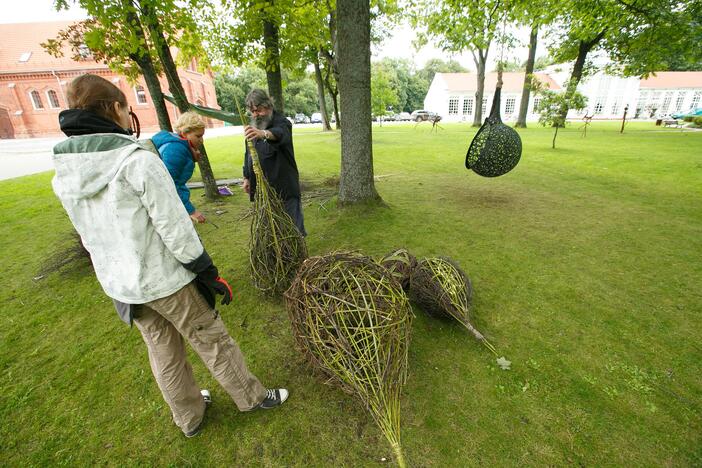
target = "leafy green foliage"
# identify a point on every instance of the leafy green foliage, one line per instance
(551, 107)
(384, 96)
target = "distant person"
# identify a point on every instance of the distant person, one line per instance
(146, 253)
(179, 152)
(271, 134)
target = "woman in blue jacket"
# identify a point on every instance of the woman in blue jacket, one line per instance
(179, 153)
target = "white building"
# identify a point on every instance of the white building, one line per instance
(669, 93)
(452, 95)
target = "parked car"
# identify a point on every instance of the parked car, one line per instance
(316, 117)
(694, 112)
(403, 116)
(423, 115)
(301, 118)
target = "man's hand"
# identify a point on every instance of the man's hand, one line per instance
(246, 186)
(253, 133)
(197, 217)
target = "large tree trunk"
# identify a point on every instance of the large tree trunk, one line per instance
(143, 60)
(480, 63)
(584, 47)
(273, 76)
(356, 179)
(176, 88)
(528, 75)
(320, 91)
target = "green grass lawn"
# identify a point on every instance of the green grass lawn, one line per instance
(587, 267)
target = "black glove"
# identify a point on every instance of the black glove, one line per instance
(210, 278)
(208, 281)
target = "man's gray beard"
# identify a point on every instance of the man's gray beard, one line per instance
(261, 122)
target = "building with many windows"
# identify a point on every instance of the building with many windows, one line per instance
(33, 83)
(452, 95)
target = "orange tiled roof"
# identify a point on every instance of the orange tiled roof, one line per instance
(685, 79)
(22, 38)
(512, 82)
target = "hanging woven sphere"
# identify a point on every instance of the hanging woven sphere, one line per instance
(495, 150)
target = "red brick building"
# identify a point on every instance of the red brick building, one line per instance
(33, 84)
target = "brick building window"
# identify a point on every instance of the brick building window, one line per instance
(140, 94)
(453, 106)
(36, 100)
(509, 105)
(52, 97)
(467, 105)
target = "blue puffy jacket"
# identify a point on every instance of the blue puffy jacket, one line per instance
(176, 155)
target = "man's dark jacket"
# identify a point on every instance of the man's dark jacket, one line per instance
(277, 160)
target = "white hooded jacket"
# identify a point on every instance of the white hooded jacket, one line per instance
(124, 205)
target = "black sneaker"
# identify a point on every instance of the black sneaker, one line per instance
(274, 397)
(208, 401)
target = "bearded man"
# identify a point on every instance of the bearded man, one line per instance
(271, 134)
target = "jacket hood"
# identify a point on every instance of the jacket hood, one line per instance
(86, 164)
(163, 137)
(83, 122)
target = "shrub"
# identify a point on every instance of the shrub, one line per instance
(698, 121)
(689, 118)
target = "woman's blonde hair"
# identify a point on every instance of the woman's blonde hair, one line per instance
(189, 122)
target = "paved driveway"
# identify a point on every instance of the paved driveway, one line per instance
(26, 156)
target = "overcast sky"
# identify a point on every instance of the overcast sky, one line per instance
(399, 45)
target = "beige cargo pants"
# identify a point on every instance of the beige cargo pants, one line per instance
(163, 324)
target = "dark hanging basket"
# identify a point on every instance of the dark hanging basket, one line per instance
(496, 148)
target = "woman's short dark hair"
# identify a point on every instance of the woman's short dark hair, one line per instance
(96, 94)
(258, 98)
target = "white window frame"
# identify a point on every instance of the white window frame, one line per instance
(667, 99)
(136, 95)
(484, 106)
(696, 99)
(48, 99)
(615, 106)
(510, 102)
(468, 105)
(34, 102)
(453, 105)
(535, 105)
(599, 106)
(680, 100)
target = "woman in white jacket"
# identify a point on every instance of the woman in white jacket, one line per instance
(146, 253)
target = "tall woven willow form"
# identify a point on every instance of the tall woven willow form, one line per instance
(442, 289)
(276, 248)
(352, 320)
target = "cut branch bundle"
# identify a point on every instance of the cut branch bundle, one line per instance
(351, 320)
(442, 289)
(276, 248)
